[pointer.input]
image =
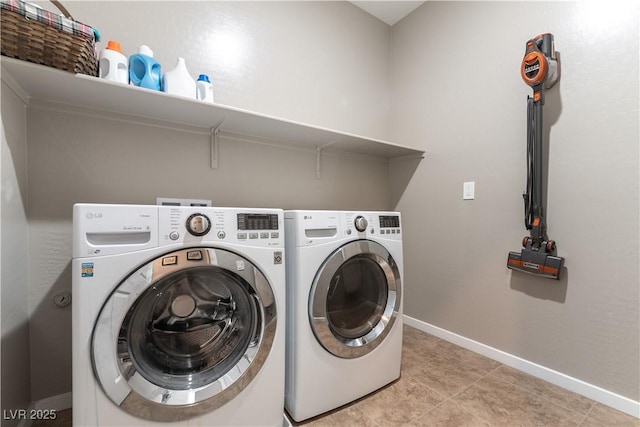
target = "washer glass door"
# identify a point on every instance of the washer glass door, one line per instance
(176, 336)
(355, 298)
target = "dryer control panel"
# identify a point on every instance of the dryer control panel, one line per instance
(389, 224)
(307, 228)
(370, 224)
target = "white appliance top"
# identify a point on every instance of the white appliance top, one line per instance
(109, 229)
(317, 227)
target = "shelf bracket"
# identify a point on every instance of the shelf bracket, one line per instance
(318, 162)
(215, 144)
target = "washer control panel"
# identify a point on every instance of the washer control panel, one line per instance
(198, 224)
(360, 223)
(248, 221)
(255, 227)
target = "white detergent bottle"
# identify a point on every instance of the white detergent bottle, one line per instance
(112, 64)
(178, 81)
(204, 89)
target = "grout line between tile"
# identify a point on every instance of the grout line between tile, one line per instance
(365, 415)
(586, 415)
(544, 397)
(452, 397)
(445, 398)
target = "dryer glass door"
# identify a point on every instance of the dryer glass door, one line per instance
(184, 334)
(355, 299)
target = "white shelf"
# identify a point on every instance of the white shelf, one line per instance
(36, 82)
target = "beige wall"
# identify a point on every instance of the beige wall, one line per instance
(14, 267)
(321, 63)
(457, 93)
(324, 63)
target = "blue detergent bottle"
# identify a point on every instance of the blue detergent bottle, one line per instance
(144, 71)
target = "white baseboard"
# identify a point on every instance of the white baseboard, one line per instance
(56, 403)
(575, 385)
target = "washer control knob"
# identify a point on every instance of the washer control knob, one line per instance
(360, 223)
(198, 224)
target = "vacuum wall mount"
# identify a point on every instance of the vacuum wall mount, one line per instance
(540, 70)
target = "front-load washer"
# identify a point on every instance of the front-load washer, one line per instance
(178, 316)
(344, 307)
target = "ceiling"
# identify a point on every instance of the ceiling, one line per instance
(388, 12)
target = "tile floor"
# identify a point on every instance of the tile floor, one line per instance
(443, 385)
(63, 419)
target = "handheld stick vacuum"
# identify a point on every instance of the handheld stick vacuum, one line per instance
(539, 70)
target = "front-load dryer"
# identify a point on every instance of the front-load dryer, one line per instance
(178, 316)
(344, 307)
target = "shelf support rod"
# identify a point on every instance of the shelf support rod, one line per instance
(318, 162)
(215, 144)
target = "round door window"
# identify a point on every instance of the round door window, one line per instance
(355, 299)
(190, 328)
(175, 338)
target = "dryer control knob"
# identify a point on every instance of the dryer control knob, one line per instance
(360, 223)
(198, 224)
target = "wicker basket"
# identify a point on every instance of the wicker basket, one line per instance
(33, 34)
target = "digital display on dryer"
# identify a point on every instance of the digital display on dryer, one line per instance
(388, 221)
(257, 221)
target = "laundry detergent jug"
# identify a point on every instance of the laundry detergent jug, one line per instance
(144, 70)
(112, 64)
(178, 81)
(204, 89)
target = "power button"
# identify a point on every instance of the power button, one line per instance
(174, 235)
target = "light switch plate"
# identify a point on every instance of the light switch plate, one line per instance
(469, 190)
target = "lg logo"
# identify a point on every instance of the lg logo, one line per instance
(308, 217)
(91, 215)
